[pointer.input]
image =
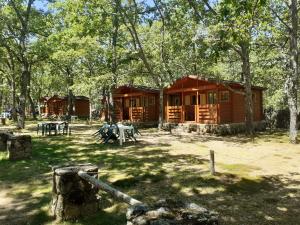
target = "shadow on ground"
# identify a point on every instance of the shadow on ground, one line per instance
(148, 172)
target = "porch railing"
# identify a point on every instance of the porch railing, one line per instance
(199, 113)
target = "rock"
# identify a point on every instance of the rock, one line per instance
(4, 136)
(170, 212)
(135, 211)
(19, 147)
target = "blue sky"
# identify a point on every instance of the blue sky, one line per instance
(42, 4)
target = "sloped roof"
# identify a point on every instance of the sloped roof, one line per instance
(47, 98)
(216, 81)
(138, 88)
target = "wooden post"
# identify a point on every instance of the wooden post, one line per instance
(182, 107)
(212, 162)
(167, 109)
(114, 192)
(197, 107)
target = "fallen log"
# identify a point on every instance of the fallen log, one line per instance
(114, 192)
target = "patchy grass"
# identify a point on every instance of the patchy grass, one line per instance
(257, 182)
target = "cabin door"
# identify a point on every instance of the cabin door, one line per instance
(189, 107)
(126, 105)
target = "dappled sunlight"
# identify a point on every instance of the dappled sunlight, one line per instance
(246, 187)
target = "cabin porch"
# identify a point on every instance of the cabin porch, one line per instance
(135, 108)
(192, 107)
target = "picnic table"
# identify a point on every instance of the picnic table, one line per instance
(57, 126)
(116, 132)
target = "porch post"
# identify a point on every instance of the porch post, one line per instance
(218, 106)
(167, 109)
(182, 107)
(197, 107)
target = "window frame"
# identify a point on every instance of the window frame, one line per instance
(214, 98)
(224, 100)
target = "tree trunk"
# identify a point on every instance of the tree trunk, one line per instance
(161, 108)
(23, 94)
(105, 105)
(32, 106)
(114, 65)
(245, 51)
(70, 103)
(90, 105)
(291, 84)
(14, 102)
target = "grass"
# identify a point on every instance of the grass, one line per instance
(246, 190)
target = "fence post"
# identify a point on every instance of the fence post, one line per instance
(212, 162)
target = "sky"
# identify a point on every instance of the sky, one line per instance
(42, 4)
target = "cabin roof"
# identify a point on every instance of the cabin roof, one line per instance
(230, 83)
(47, 98)
(140, 88)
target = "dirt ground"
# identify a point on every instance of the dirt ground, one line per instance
(257, 180)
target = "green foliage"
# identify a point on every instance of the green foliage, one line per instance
(89, 46)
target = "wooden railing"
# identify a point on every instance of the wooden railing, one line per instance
(174, 114)
(199, 113)
(136, 113)
(207, 113)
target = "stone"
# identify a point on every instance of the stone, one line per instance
(135, 211)
(170, 212)
(4, 136)
(19, 147)
(73, 197)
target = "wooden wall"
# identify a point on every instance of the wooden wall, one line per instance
(58, 106)
(140, 112)
(82, 108)
(229, 111)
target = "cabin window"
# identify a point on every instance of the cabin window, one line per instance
(175, 100)
(144, 101)
(202, 99)
(212, 97)
(187, 100)
(151, 100)
(224, 96)
(133, 102)
(127, 103)
(194, 101)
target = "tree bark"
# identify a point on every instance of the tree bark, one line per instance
(23, 95)
(14, 102)
(291, 84)
(114, 65)
(245, 51)
(71, 104)
(161, 108)
(32, 106)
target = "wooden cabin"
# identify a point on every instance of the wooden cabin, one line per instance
(57, 105)
(208, 101)
(136, 104)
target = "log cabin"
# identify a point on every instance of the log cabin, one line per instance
(207, 101)
(136, 104)
(57, 105)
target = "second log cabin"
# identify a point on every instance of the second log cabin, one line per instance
(208, 101)
(136, 104)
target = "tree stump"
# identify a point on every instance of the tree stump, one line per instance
(73, 197)
(3, 140)
(169, 212)
(19, 147)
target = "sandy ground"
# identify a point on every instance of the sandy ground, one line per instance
(262, 157)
